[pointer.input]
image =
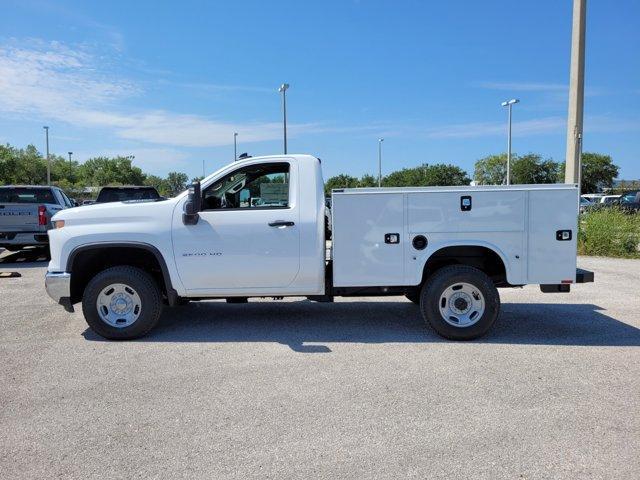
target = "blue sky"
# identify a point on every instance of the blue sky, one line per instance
(169, 82)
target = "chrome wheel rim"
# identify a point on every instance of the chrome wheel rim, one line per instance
(119, 305)
(461, 305)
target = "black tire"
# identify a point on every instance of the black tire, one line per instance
(446, 277)
(414, 296)
(237, 300)
(142, 283)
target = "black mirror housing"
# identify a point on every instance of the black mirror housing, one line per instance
(193, 205)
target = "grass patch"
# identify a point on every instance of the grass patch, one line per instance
(609, 233)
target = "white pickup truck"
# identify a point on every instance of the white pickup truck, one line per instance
(256, 228)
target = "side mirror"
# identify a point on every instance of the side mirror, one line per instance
(193, 205)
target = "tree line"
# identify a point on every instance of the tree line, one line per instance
(29, 166)
(598, 172)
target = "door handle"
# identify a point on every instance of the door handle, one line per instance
(281, 223)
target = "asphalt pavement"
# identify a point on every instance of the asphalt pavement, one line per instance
(360, 388)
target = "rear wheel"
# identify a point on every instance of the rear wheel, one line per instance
(460, 302)
(122, 303)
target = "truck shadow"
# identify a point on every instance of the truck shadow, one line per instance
(306, 327)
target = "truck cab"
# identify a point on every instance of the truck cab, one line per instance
(256, 228)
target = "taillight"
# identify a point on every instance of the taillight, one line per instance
(42, 215)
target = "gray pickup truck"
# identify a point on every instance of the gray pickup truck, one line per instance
(25, 214)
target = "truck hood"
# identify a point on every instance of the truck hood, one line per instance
(115, 211)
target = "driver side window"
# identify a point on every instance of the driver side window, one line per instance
(254, 186)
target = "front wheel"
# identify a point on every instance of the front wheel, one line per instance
(460, 302)
(122, 303)
(413, 296)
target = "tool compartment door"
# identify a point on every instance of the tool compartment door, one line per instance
(364, 248)
(552, 256)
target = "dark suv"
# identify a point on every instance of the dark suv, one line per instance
(123, 194)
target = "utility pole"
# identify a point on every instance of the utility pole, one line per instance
(380, 140)
(509, 104)
(203, 175)
(70, 167)
(283, 89)
(46, 133)
(235, 147)
(576, 93)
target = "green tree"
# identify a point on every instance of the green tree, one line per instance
(598, 172)
(340, 181)
(439, 174)
(532, 169)
(176, 182)
(110, 171)
(23, 166)
(525, 169)
(8, 164)
(491, 170)
(368, 181)
(160, 184)
(62, 169)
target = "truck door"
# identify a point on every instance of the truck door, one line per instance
(247, 235)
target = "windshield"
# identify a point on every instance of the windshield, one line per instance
(26, 195)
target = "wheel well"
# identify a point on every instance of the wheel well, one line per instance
(88, 262)
(482, 258)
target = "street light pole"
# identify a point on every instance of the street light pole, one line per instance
(235, 147)
(380, 140)
(70, 167)
(283, 89)
(576, 93)
(46, 133)
(509, 104)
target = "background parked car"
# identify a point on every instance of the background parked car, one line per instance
(592, 197)
(584, 204)
(122, 194)
(25, 214)
(630, 201)
(609, 199)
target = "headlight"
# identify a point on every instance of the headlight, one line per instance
(58, 223)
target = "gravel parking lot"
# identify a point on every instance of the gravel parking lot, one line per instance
(356, 389)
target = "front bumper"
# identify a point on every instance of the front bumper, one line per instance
(58, 287)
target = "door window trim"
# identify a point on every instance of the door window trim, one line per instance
(252, 209)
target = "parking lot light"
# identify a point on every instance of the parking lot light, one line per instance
(509, 104)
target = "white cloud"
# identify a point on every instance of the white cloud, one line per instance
(55, 82)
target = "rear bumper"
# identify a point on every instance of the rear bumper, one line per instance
(24, 238)
(58, 287)
(582, 276)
